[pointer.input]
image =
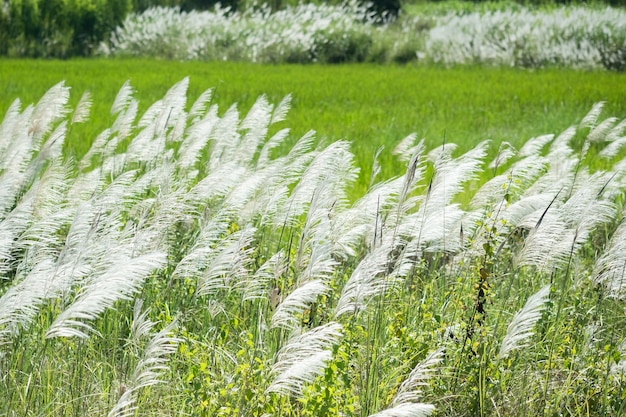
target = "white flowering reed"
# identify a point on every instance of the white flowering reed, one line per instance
(567, 36)
(273, 243)
(580, 37)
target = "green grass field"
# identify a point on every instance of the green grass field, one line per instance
(368, 105)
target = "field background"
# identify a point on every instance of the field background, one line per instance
(367, 104)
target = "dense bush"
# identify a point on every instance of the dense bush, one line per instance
(574, 37)
(577, 37)
(304, 33)
(58, 28)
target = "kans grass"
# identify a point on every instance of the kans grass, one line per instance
(204, 261)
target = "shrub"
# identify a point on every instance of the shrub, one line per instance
(58, 28)
(578, 37)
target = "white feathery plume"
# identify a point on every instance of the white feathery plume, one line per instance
(120, 281)
(520, 328)
(256, 286)
(50, 108)
(505, 152)
(122, 99)
(303, 358)
(437, 222)
(443, 152)
(409, 391)
(269, 203)
(225, 138)
(589, 205)
(319, 263)
(174, 103)
(256, 124)
(562, 166)
(40, 275)
(314, 251)
(617, 131)
(363, 221)
(227, 263)
(451, 174)
(280, 112)
(141, 325)
(303, 146)
(592, 117)
(148, 371)
(20, 146)
(559, 230)
(610, 267)
(10, 227)
(272, 182)
(146, 146)
(406, 401)
(437, 231)
(407, 410)
(526, 206)
(291, 168)
(96, 148)
(613, 148)
(210, 236)
(199, 107)
(252, 183)
(618, 370)
(534, 146)
(109, 152)
(369, 279)
(197, 137)
(560, 148)
(549, 243)
(151, 114)
(218, 183)
(170, 206)
(83, 108)
(123, 191)
(558, 177)
(376, 165)
(10, 186)
(406, 148)
(48, 211)
(7, 127)
(599, 133)
(512, 182)
(154, 360)
(333, 168)
(414, 172)
(273, 142)
(20, 303)
(53, 146)
(177, 133)
(286, 314)
(123, 125)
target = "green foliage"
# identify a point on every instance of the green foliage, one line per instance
(58, 28)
